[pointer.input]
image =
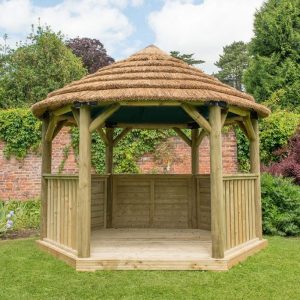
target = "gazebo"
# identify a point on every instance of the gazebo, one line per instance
(150, 221)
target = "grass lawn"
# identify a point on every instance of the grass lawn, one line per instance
(28, 273)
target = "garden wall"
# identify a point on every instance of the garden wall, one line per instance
(20, 179)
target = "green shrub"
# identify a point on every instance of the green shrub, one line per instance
(280, 206)
(275, 132)
(20, 214)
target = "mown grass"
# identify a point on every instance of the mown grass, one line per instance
(28, 273)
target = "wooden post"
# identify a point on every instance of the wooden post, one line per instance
(109, 151)
(195, 152)
(216, 184)
(46, 168)
(109, 170)
(255, 168)
(84, 185)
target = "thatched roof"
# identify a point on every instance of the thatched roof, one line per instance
(149, 74)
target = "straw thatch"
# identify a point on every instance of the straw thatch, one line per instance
(149, 74)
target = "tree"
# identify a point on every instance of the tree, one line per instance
(37, 67)
(188, 58)
(233, 63)
(274, 69)
(92, 53)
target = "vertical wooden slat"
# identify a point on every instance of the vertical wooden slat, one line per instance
(228, 211)
(253, 211)
(105, 204)
(232, 220)
(152, 202)
(69, 229)
(58, 217)
(74, 214)
(195, 152)
(243, 182)
(48, 208)
(236, 216)
(66, 212)
(247, 237)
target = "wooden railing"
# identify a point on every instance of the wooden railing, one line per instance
(62, 209)
(239, 198)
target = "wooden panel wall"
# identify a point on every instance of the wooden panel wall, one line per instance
(239, 197)
(62, 209)
(159, 201)
(203, 202)
(98, 201)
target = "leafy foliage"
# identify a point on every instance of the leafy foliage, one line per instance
(20, 131)
(233, 62)
(92, 53)
(280, 206)
(23, 215)
(188, 58)
(36, 68)
(289, 164)
(274, 69)
(128, 150)
(275, 132)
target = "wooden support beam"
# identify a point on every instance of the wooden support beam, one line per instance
(46, 169)
(121, 135)
(151, 126)
(109, 151)
(150, 103)
(233, 120)
(99, 121)
(76, 115)
(58, 128)
(183, 136)
(249, 128)
(195, 151)
(255, 168)
(50, 129)
(224, 114)
(216, 184)
(84, 185)
(203, 133)
(238, 111)
(62, 110)
(103, 135)
(196, 116)
(243, 128)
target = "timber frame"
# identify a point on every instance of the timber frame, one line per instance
(234, 201)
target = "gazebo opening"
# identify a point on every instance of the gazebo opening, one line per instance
(150, 221)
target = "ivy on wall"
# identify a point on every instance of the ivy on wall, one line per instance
(127, 152)
(20, 131)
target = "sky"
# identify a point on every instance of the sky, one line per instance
(202, 27)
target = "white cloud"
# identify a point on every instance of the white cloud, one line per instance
(203, 28)
(101, 19)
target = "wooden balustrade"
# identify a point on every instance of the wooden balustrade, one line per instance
(239, 197)
(62, 209)
(162, 201)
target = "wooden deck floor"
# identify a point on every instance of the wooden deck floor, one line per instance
(152, 249)
(151, 244)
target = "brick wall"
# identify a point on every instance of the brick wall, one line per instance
(179, 157)
(20, 179)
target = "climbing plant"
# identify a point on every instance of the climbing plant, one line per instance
(20, 131)
(127, 152)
